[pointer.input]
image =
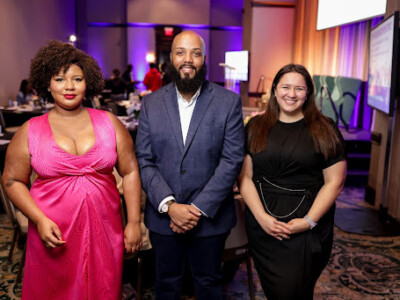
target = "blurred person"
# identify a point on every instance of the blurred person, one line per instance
(293, 171)
(26, 92)
(165, 73)
(190, 147)
(152, 79)
(127, 77)
(117, 85)
(76, 238)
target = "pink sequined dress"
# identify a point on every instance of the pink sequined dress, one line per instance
(79, 194)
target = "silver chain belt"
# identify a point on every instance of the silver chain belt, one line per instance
(285, 189)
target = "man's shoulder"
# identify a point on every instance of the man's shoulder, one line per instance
(160, 93)
(218, 88)
(220, 91)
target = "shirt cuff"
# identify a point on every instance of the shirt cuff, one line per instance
(164, 201)
(202, 212)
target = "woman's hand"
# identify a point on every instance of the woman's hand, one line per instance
(132, 237)
(275, 228)
(269, 224)
(49, 233)
(298, 225)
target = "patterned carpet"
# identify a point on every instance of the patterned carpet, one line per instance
(361, 267)
(8, 272)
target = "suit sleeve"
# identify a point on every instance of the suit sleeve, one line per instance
(153, 183)
(221, 183)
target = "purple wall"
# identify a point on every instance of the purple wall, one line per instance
(26, 26)
(114, 45)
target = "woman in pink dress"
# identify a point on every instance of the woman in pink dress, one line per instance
(75, 239)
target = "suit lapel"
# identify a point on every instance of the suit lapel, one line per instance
(200, 109)
(171, 105)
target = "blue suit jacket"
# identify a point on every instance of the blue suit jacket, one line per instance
(204, 170)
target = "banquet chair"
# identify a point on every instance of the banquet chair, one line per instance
(4, 127)
(146, 245)
(349, 88)
(20, 226)
(236, 244)
(96, 102)
(113, 107)
(317, 85)
(326, 102)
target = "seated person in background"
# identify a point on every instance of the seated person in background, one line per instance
(25, 93)
(117, 86)
(152, 80)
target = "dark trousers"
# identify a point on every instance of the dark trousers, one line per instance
(171, 252)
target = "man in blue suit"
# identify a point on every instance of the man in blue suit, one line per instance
(190, 147)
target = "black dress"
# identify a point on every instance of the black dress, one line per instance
(288, 176)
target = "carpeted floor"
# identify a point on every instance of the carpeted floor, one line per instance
(361, 266)
(354, 215)
(8, 272)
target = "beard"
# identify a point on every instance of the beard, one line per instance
(187, 85)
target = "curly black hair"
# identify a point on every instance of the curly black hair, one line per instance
(56, 56)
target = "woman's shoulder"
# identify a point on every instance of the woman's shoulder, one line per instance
(330, 121)
(37, 126)
(102, 117)
(253, 120)
(113, 119)
(99, 114)
(38, 120)
(21, 135)
(323, 122)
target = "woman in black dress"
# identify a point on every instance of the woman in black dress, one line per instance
(292, 173)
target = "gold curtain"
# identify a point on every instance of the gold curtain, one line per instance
(338, 51)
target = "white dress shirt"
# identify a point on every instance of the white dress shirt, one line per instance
(186, 111)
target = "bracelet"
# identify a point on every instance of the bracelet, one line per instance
(311, 222)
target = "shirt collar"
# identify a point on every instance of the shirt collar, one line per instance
(194, 98)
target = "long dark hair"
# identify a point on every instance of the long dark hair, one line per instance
(326, 139)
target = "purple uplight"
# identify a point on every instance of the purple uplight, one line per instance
(149, 25)
(144, 25)
(106, 24)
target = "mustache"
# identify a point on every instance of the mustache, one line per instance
(187, 65)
